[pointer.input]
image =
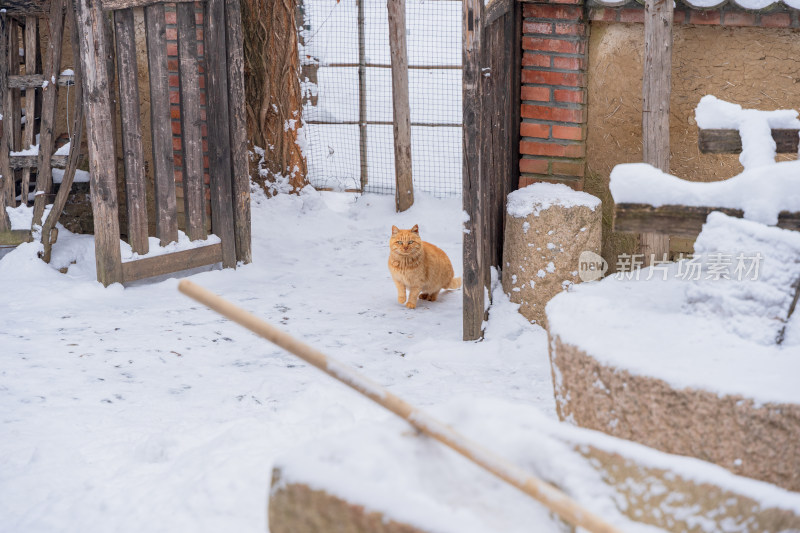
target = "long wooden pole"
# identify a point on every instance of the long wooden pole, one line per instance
(404, 187)
(551, 497)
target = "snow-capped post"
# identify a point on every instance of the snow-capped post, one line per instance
(472, 192)
(553, 498)
(656, 89)
(401, 122)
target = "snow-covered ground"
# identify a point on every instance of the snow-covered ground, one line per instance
(136, 409)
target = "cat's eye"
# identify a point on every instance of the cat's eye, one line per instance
(398, 242)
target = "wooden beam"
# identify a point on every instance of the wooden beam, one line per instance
(656, 90)
(497, 9)
(35, 81)
(472, 194)
(6, 175)
(132, 149)
(161, 125)
(99, 138)
(110, 5)
(31, 51)
(401, 111)
(729, 141)
(679, 220)
(38, 8)
(238, 128)
(219, 142)
(32, 161)
(170, 263)
(14, 237)
(15, 116)
(52, 68)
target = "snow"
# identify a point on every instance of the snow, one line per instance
(762, 193)
(31, 150)
(81, 176)
(538, 197)
(130, 409)
(418, 481)
(712, 334)
(155, 248)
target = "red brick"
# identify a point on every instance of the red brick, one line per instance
(198, 17)
(176, 127)
(631, 15)
(738, 18)
(176, 143)
(172, 34)
(171, 17)
(178, 175)
(175, 112)
(678, 17)
(557, 114)
(704, 17)
(536, 94)
(568, 63)
(551, 149)
(172, 65)
(177, 161)
(575, 183)
(549, 11)
(568, 168)
(174, 97)
(540, 44)
(569, 95)
(173, 80)
(603, 14)
(172, 49)
(200, 49)
(528, 129)
(568, 133)
(776, 20)
(531, 26)
(534, 166)
(536, 60)
(562, 28)
(544, 77)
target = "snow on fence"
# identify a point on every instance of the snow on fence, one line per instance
(347, 87)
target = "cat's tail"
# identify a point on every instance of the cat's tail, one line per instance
(455, 283)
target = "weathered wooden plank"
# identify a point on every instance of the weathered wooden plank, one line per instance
(497, 9)
(472, 194)
(192, 139)
(679, 220)
(6, 175)
(238, 128)
(401, 112)
(31, 45)
(110, 5)
(52, 68)
(28, 161)
(656, 89)
(133, 152)
(14, 237)
(170, 263)
(35, 81)
(161, 125)
(729, 141)
(74, 152)
(362, 94)
(16, 95)
(36, 8)
(99, 130)
(219, 142)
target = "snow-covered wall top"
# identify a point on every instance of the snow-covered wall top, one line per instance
(710, 4)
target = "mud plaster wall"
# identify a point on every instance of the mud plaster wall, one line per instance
(754, 67)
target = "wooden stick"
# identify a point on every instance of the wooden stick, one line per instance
(31, 43)
(551, 497)
(401, 113)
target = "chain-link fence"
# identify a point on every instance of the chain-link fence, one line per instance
(347, 85)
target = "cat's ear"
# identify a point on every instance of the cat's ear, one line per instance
(415, 229)
(394, 230)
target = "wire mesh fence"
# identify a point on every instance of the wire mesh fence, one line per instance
(347, 86)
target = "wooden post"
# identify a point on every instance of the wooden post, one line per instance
(161, 125)
(473, 278)
(44, 176)
(362, 95)
(219, 142)
(6, 176)
(194, 197)
(656, 89)
(31, 45)
(133, 152)
(16, 97)
(550, 496)
(238, 131)
(404, 187)
(99, 138)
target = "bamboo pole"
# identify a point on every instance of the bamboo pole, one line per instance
(551, 497)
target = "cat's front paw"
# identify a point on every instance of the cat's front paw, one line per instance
(401, 299)
(411, 305)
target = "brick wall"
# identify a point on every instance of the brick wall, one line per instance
(553, 94)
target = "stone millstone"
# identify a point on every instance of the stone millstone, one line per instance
(547, 228)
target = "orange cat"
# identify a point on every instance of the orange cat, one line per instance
(418, 266)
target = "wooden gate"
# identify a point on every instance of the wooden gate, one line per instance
(491, 59)
(224, 108)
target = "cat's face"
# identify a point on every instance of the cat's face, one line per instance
(405, 241)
